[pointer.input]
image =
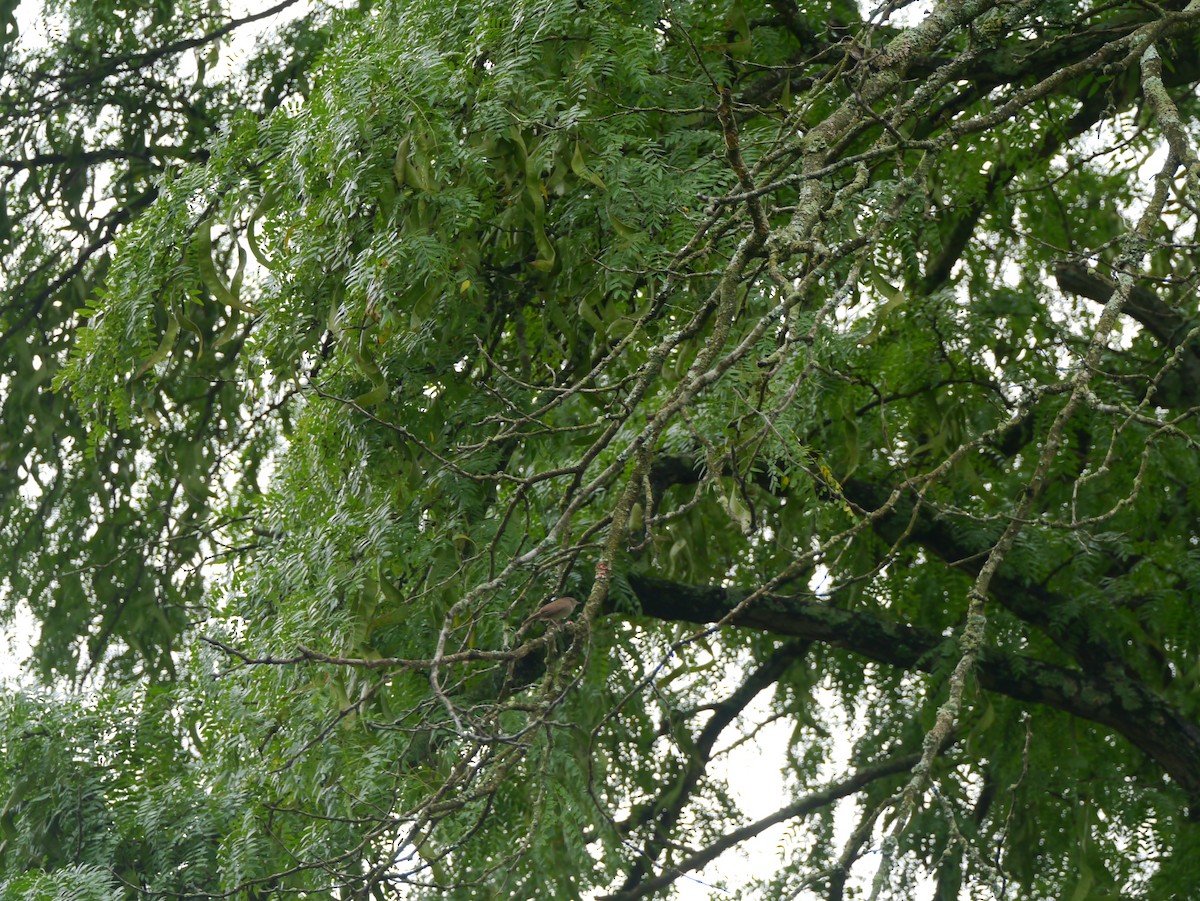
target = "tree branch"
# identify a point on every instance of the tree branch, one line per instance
(664, 812)
(1145, 719)
(800, 808)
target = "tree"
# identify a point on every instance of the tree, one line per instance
(842, 363)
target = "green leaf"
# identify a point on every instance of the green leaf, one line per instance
(208, 271)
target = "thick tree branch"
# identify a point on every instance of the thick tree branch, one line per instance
(1126, 703)
(1146, 720)
(1168, 326)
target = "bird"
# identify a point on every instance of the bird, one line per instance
(554, 612)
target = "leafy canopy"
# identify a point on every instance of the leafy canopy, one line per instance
(841, 361)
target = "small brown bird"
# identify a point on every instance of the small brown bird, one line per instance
(555, 612)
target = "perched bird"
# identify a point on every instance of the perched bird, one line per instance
(554, 612)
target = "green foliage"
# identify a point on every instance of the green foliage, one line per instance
(773, 335)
